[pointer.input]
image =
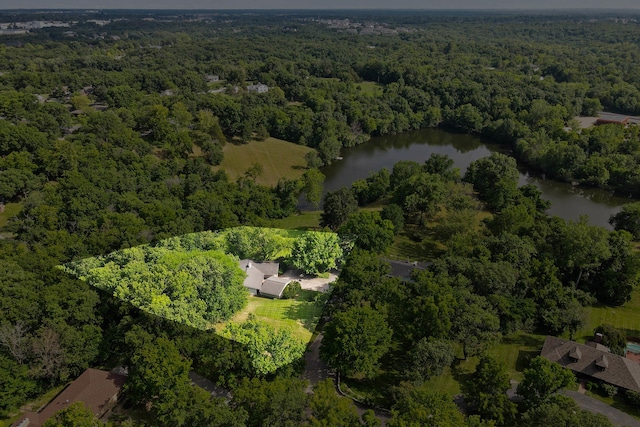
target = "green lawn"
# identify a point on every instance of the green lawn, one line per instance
(371, 88)
(626, 318)
(309, 220)
(279, 159)
(10, 209)
(300, 315)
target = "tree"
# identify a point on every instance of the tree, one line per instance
(628, 219)
(355, 340)
(429, 358)
(313, 186)
(75, 415)
(486, 391)
(277, 403)
(417, 406)
(316, 252)
(495, 178)
(612, 338)
(541, 380)
(394, 213)
(268, 349)
(159, 376)
(338, 205)
(328, 409)
(563, 411)
(367, 231)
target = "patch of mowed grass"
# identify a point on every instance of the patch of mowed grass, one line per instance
(279, 159)
(303, 221)
(300, 315)
(10, 209)
(625, 317)
(370, 88)
(515, 351)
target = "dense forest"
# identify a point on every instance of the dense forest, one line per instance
(111, 137)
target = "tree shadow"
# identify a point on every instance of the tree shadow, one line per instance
(524, 340)
(306, 313)
(524, 359)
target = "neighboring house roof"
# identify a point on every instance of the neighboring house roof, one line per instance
(274, 286)
(593, 362)
(95, 388)
(403, 269)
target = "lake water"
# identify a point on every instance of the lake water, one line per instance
(567, 201)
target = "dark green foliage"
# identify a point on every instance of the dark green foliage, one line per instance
(628, 219)
(367, 231)
(541, 380)
(355, 340)
(418, 406)
(632, 397)
(277, 403)
(75, 415)
(563, 411)
(337, 205)
(486, 391)
(495, 178)
(328, 409)
(429, 358)
(608, 389)
(394, 213)
(613, 338)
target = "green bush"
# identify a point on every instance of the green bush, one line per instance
(292, 290)
(632, 397)
(608, 389)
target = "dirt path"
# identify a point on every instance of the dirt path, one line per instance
(315, 370)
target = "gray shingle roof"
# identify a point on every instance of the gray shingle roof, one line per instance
(274, 286)
(608, 367)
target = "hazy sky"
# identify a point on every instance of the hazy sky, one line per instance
(322, 4)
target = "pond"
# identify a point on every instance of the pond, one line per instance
(567, 201)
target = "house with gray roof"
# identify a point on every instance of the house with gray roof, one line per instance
(262, 278)
(593, 363)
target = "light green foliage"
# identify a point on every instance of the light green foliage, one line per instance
(328, 409)
(257, 243)
(268, 349)
(316, 252)
(75, 415)
(194, 287)
(541, 380)
(313, 186)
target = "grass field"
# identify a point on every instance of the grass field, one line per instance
(10, 209)
(371, 88)
(309, 220)
(279, 159)
(625, 318)
(300, 315)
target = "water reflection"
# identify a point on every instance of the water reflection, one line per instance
(568, 201)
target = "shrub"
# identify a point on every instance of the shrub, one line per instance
(632, 397)
(608, 389)
(292, 290)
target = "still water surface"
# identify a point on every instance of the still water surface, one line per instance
(567, 201)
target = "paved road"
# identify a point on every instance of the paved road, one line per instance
(315, 370)
(214, 389)
(616, 416)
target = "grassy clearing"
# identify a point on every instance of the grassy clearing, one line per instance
(10, 209)
(300, 315)
(618, 401)
(303, 221)
(516, 351)
(370, 88)
(279, 159)
(626, 318)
